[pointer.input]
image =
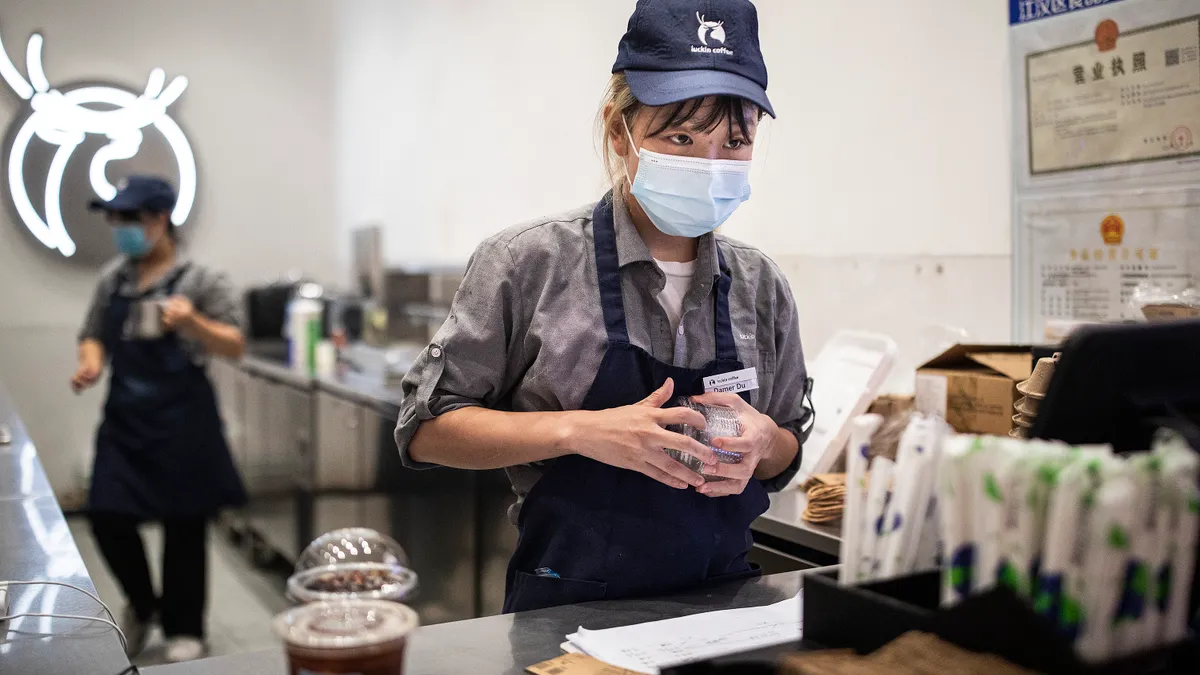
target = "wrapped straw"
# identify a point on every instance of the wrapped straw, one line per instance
(854, 525)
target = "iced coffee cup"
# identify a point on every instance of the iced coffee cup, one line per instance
(347, 637)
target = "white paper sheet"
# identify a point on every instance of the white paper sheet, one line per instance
(650, 646)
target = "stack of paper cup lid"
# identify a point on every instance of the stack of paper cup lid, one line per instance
(1032, 392)
(826, 499)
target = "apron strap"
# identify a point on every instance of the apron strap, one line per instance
(608, 276)
(608, 271)
(726, 347)
(173, 281)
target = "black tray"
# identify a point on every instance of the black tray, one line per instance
(868, 616)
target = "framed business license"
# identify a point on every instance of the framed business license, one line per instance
(1121, 98)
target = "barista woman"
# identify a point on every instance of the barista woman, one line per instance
(160, 451)
(571, 335)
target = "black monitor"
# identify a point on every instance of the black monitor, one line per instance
(1119, 384)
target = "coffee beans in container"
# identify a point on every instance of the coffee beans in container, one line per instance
(374, 581)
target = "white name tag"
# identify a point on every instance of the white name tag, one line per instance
(736, 382)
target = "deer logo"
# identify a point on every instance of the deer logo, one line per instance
(713, 29)
(65, 118)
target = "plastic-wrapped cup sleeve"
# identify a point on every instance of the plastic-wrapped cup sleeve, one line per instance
(720, 422)
(728, 456)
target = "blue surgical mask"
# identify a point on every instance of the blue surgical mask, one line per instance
(686, 196)
(131, 240)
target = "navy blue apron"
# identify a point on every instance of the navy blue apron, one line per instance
(160, 451)
(590, 531)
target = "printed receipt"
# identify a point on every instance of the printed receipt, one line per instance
(647, 647)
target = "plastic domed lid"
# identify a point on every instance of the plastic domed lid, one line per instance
(351, 545)
(358, 626)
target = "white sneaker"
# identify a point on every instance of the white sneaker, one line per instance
(136, 631)
(184, 648)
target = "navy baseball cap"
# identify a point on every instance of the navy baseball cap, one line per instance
(678, 50)
(139, 193)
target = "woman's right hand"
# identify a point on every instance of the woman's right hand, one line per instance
(634, 436)
(85, 376)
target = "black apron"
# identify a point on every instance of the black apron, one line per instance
(590, 531)
(160, 451)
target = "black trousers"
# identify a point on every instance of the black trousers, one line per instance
(184, 565)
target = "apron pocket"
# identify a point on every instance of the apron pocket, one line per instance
(537, 592)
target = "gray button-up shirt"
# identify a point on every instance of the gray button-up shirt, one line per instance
(526, 330)
(210, 291)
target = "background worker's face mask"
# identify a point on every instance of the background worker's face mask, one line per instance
(131, 240)
(687, 196)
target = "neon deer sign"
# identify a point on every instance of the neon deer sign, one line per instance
(65, 118)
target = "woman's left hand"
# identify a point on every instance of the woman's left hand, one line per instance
(756, 442)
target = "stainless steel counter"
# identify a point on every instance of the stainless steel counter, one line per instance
(365, 388)
(288, 430)
(36, 545)
(318, 454)
(783, 521)
(507, 644)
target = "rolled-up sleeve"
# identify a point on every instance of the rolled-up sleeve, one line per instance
(475, 358)
(93, 320)
(218, 299)
(787, 405)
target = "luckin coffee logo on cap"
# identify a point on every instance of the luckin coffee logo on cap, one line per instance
(714, 30)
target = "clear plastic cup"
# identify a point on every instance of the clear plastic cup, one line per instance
(346, 637)
(721, 422)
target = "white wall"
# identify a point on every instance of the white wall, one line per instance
(459, 117)
(883, 189)
(257, 111)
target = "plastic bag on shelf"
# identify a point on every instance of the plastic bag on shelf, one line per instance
(1155, 302)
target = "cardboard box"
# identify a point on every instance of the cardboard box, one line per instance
(889, 405)
(974, 386)
(1170, 311)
